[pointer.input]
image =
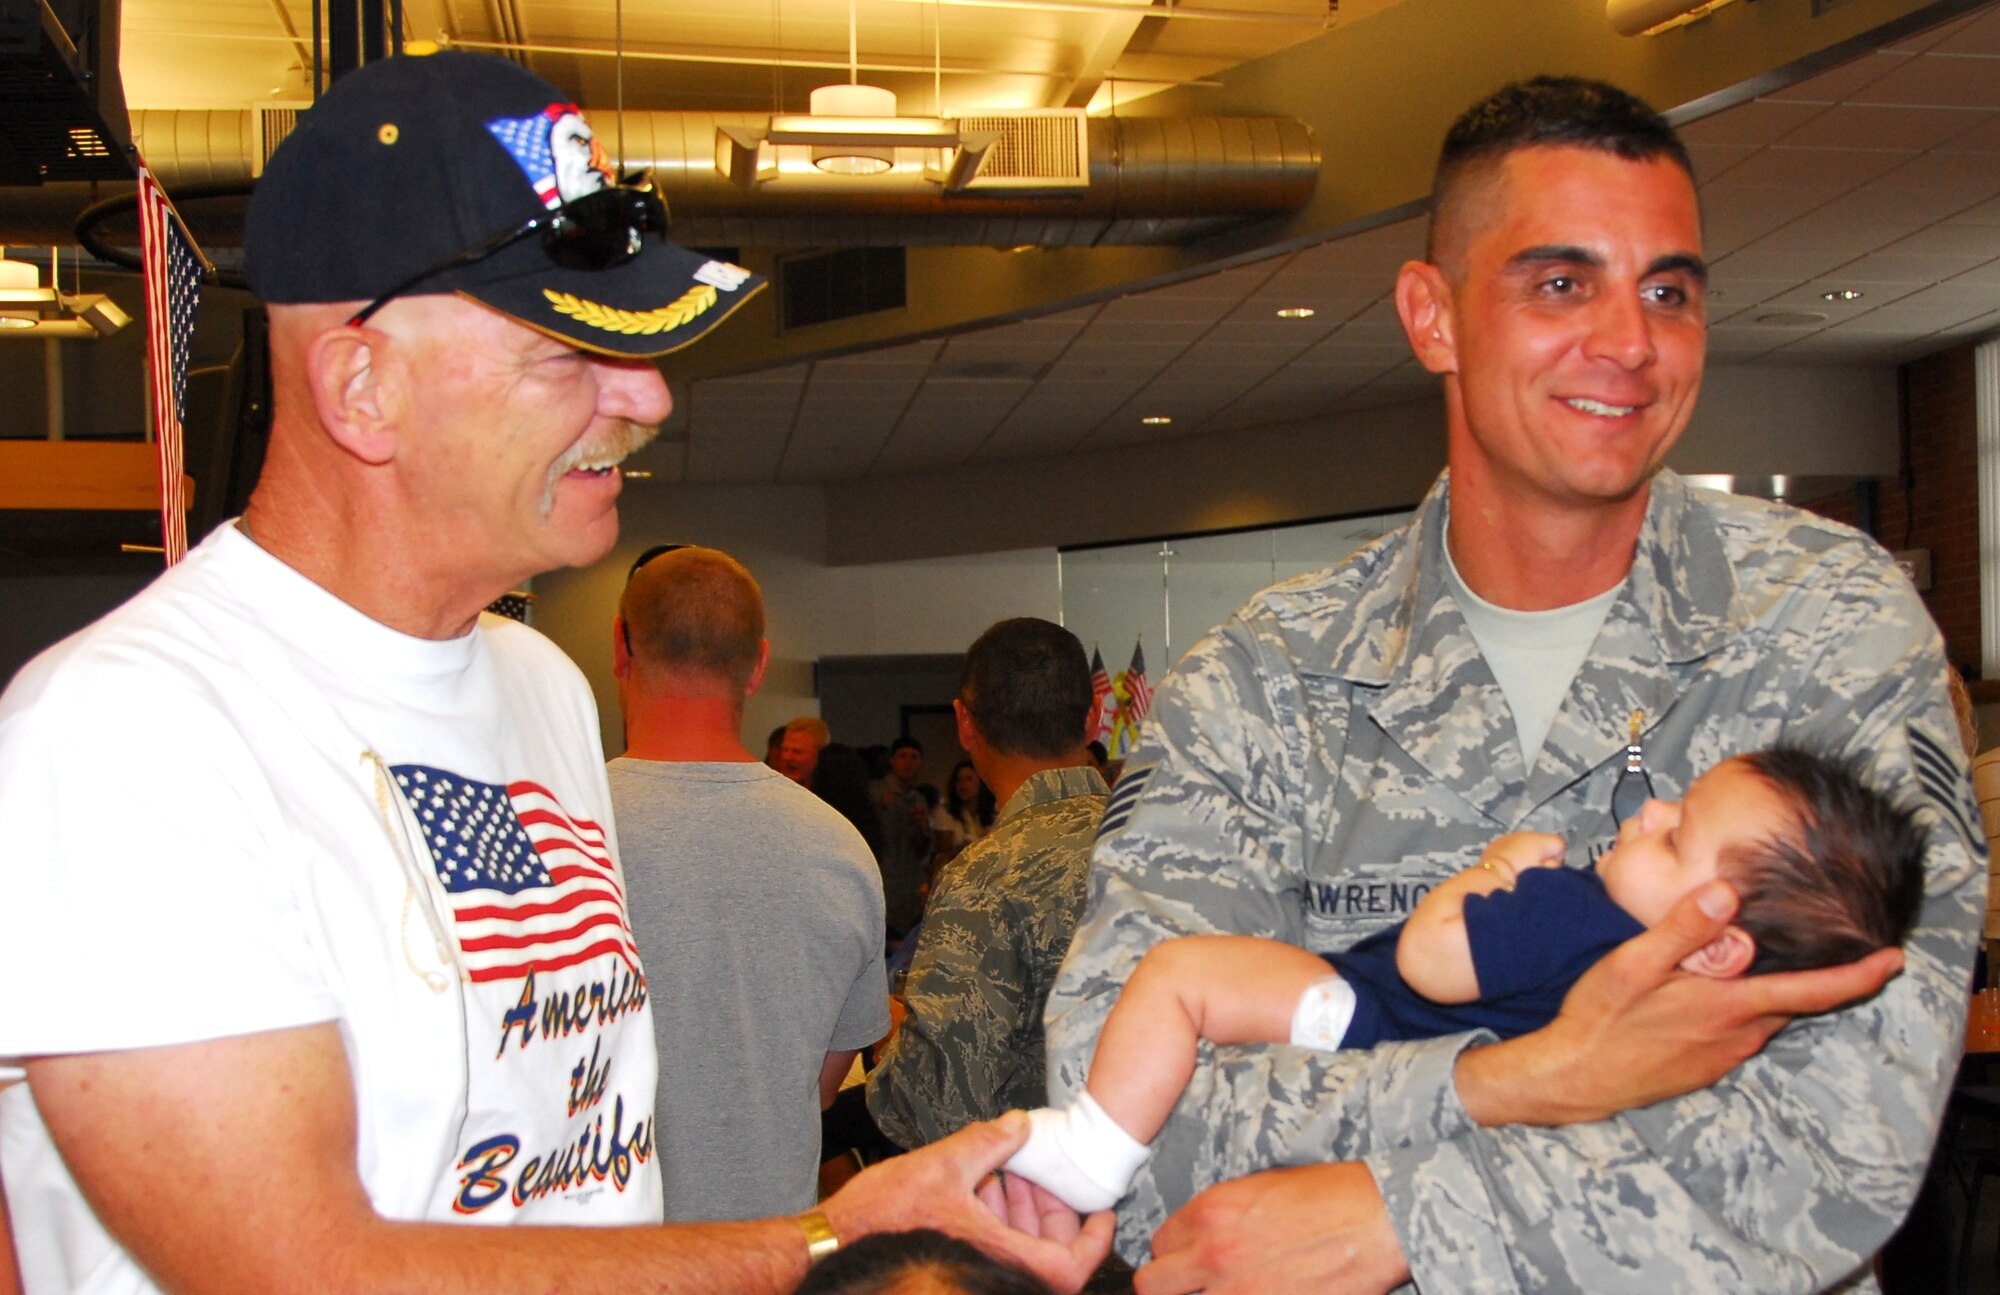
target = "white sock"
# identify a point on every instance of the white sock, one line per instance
(1079, 1153)
(1324, 1012)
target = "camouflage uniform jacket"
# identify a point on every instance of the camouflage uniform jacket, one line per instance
(993, 936)
(1339, 745)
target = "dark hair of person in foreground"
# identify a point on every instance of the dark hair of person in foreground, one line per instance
(918, 1262)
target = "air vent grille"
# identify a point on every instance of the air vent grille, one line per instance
(274, 121)
(1035, 150)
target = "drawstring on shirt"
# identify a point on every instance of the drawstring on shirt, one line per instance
(413, 879)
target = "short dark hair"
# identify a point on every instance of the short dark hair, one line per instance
(1545, 112)
(697, 611)
(880, 1262)
(1847, 883)
(906, 743)
(1027, 684)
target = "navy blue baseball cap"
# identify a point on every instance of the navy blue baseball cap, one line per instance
(408, 162)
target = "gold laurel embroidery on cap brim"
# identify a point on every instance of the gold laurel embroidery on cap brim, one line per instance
(693, 303)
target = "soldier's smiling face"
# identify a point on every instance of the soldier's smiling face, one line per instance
(1575, 325)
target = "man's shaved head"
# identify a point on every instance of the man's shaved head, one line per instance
(695, 612)
(1546, 112)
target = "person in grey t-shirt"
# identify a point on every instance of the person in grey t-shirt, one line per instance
(757, 908)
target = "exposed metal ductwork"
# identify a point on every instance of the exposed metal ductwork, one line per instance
(1150, 180)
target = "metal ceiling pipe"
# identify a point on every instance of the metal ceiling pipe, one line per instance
(1151, 179)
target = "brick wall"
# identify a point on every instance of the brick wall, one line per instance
(1935, 503)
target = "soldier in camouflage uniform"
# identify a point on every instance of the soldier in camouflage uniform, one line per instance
(1341, 744)
(1005, 908)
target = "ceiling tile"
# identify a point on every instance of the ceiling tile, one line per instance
(1267, 332)
(1979, 34)
(1977, 243)
(1808, 297)
(1147, 306)
(1816, 170)
(914, 356)
(891, 389)
(1840, 83)
(1363, 253)
(1228, 285)
(1938, 80)
(1983, 137)
(746, 454)
(1729, 292)
(1938, 36)
(1985, 213)
(1137, 333)
(1759, 122)
(1930, 311)
(1882, 126)
(1712, 161)
(764, 384)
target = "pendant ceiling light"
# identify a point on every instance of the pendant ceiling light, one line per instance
(27, 309)
(851, 130)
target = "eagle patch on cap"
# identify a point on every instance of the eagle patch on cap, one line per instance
(556, 151)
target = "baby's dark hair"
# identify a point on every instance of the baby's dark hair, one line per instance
(884, 1261)
(1847, 883)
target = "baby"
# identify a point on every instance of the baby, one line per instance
(1827, 871)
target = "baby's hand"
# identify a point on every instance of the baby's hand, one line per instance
(1511, 855)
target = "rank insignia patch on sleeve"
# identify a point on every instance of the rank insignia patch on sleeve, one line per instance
(1125, 798)
(1947, 790)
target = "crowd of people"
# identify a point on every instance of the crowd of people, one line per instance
(376, 946)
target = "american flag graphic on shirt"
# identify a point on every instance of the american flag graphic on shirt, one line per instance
(531, 888)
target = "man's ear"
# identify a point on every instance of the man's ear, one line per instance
(1423, 303)
(968, 732)
(353, 392)
(1725, 957)
(763, 664)
(621, 655)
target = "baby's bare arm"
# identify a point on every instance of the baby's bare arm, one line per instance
(1433, 954)
(1223, 988)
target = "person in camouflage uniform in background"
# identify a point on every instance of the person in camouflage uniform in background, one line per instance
(1003, 911)
(1341, 744)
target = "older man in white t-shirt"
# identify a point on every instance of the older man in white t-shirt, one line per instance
(315, 945)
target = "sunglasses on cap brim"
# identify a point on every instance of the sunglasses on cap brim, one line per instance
(597, 231)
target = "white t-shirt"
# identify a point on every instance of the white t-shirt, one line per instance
(236, 804)
(1534, 656)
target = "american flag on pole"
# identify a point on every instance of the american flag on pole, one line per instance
(1135, 698)
(172, 269)
(531, 889)
(1138, 691)
(1103, 704)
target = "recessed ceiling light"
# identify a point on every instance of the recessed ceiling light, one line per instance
(1296, 312)
(636, 474)
(1842, 294)
(1156, 420)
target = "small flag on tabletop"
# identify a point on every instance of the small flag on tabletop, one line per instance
(173, 268)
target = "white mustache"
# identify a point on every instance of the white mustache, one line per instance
(617, 442)
(614, 444)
